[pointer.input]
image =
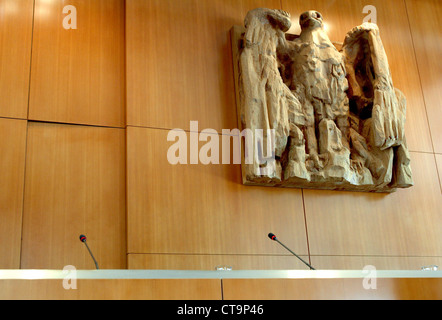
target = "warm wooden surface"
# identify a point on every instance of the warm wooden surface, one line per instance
(439, 168)
(75, 184)
(78, 76)
(179, 61)
(211, 261)
(12, 172)
(203, 208)
(426, 29)
(227, 289)
(406, 223)
(15, 56)
(179, 68)
(331, 289)
(137, 289)
(344, 224)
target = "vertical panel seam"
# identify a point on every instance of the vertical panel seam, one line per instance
(23, 193)
(423, 94)
(26, 140)
(30, 62)
(439, 172)
(126, 211)
(419, 74)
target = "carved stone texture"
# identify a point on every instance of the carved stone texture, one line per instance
(336, 118)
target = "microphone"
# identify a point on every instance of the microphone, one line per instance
(273, 237)
(83, 239)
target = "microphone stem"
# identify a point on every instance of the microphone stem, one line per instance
(90, 252)
(311, 268)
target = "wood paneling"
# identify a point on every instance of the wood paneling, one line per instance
(118, 289)
(75, 184)
(331, 289)
(12, 168)
(379, 262)
(211, 261)
(341, 16)
(172, 80)
(231, 289)
(15, 56)
(405, 223)
(425, 24)
(203, 208)
(179, 68)
(78, 75)
(439, 168)
(179, 61)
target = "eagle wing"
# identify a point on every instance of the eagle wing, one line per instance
(371, 87)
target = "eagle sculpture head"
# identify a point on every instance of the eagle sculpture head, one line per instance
(311, 19)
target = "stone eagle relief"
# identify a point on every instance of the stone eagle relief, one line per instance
(337, 120)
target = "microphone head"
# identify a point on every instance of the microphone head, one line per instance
(272, 236)
(82, 238)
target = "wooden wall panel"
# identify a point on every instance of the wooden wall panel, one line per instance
(425, 24)
(203, 209)
(230, 289)
(405, 223)
(115, 289)
(341, 16)
(439, 168)
(75, 184)
(331, 289)
(211, 261)
(179, 61)
(179, 68)
(15, 56)
(12, 168)
(78, 75)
